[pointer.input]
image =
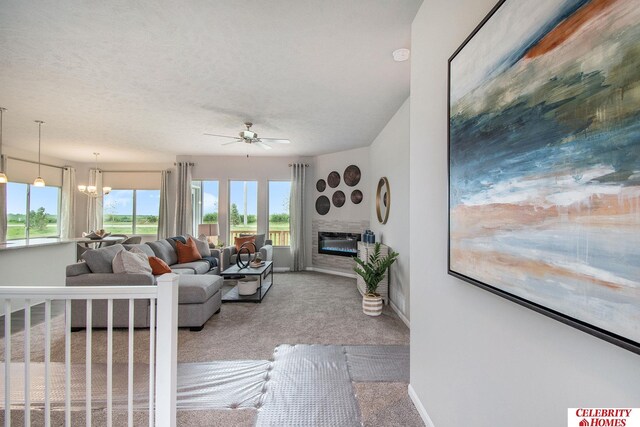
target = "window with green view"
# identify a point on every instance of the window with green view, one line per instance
(43, 206)
(279, 212)
(131, 211)
(204, 197)
(243, 208)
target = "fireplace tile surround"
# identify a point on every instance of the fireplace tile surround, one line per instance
(340, 264)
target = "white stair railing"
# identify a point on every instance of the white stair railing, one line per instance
(162, 364)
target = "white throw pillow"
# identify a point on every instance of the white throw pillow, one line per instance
(202, 245)
(134, 262)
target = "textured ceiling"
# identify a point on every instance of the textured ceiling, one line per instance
(142, 80)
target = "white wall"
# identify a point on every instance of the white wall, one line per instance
(261, 169)
(389, 156)
(478, 359)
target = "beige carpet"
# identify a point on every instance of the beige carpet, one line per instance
(300, 308)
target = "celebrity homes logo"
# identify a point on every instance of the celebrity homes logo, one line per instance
(603, 417)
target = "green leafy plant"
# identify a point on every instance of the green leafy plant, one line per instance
(373, 269)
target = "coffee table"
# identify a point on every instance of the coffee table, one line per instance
(265, 281)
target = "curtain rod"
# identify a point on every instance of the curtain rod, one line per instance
(33, 162)
(306, 165)
(131, 171)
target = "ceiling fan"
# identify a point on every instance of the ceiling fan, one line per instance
(250, 137)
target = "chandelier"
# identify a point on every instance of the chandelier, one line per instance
(92, 190)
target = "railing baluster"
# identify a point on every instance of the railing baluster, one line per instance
(152, 358)
(109, 361)
(130, 383)
(27, 362)
(7, 362)
(67, 363)
(161, 383)
(47, 362)
(88, 361)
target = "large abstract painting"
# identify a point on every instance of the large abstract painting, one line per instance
(544, 161)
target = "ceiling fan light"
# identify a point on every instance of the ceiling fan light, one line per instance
(3, 178)
(39, 182)
(106, 190)
(82, 187)
(91, 188)
(247, 134)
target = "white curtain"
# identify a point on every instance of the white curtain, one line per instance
(296, 215)
(94, 206)
(3, 204)
(68, 203)
(183, 199)
(164, 229)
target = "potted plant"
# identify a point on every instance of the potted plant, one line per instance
(372, 272)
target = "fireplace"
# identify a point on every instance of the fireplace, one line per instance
(341, 244)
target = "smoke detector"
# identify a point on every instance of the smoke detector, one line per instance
(401, 55)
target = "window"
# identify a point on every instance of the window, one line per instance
(147, 210)
(279, 231)
(243, 208)
(131, 211)
(43, 205)
(204, 196)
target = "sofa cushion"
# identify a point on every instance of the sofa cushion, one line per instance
(99, 260)
(198, 289)
(202, 245)
(144, 248)
(259, 239)
(239, 241)
(198, 267)
(131, 263)
(77, 269)
(185, 271)
(158, 266)
(187, 252)
(175, 239)
(163, 250)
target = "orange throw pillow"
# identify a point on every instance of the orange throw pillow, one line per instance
(239, 241)
(188, 252)
(158, 266)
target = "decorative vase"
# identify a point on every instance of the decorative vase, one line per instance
(372, 304)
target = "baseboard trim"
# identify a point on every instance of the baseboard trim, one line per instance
(400, 314)
(281, 269)
(420, 407)
(335, 273)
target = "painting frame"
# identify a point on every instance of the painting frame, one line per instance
(603, 333)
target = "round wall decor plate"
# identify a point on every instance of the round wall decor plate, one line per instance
(356, 197)
(323, 205)
(321, 185)
(338, 199)
(352, 175)
(333, 179)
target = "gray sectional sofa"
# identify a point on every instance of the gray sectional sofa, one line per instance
(199, 293)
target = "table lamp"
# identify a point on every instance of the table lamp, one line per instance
(209, 231)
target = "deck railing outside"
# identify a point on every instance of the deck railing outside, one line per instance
(279, 237)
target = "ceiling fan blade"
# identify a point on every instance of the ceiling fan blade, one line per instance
(276, 140)
(263, 145)
(232, 142)
(220, 136)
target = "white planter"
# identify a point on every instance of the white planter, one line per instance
(247, 286)
(372, 305)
